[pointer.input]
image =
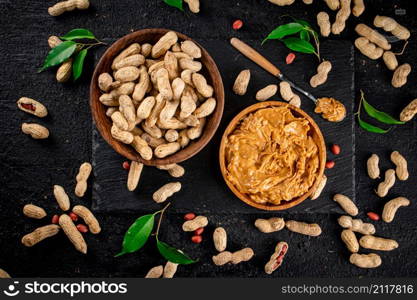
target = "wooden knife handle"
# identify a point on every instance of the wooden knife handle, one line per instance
(254, 56)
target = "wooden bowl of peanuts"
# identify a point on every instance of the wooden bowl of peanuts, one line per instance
(272, 155)
(156, 97)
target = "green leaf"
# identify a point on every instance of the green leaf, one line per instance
(299, 45)
(175, 3)
(78, 33)
(304, 35)
(302, 22)
(77, 65)
(370, 127)
(137, 234)
(58, 54)
(283, 31)
(379, 115)
(173, 255)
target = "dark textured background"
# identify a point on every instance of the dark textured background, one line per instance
(29, 168)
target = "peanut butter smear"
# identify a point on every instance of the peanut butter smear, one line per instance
(331, 109)
(271, 157)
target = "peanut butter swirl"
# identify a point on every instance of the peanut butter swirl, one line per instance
(271, 157)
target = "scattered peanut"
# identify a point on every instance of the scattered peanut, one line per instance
(333, 4)
(88, 217)
(341, 17)
(303, 228)
(4, 274)
(194, 224)
(166, 191)
(391, 207)
(173, 169)
(81, 178)
(371, 260)
(387, 184)
(33, 211)
(368, 49)
(267, 92)
(170, 269)
(409, 111)
(358, 7)
(390, 25)
(36, 131)
(400, 75)
(322, 72)
(134, 175)
(241, 83)
(39, 234)
(324, 23)
(69, 5)
(356, 225)
(193, 5)
(32, 106)
(346, 203)
(155, 272)
(372, 166)
(64, 71)
(350, 240)
(72, 233)
(401, 163)
(282, 2)
(220, 239)
(377, 243)
(319, 188)
(270, 225)
(373, 36)
(54, 41)
(234, 258)
(390, 60)
(61, 197)
(276, 259)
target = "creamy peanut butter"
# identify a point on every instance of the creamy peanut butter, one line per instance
(331, 109)
(271, 157)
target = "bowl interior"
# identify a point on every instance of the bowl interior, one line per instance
(103, 123)
(315, 133)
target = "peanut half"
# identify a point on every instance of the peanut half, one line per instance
(372, 166)
(32, 106)
(277, 257)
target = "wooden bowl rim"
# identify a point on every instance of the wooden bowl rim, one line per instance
(214, 119)
(232, 125)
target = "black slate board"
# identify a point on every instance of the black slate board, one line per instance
(203, 187)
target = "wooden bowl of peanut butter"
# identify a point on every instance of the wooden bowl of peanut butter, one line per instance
(272, 155)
